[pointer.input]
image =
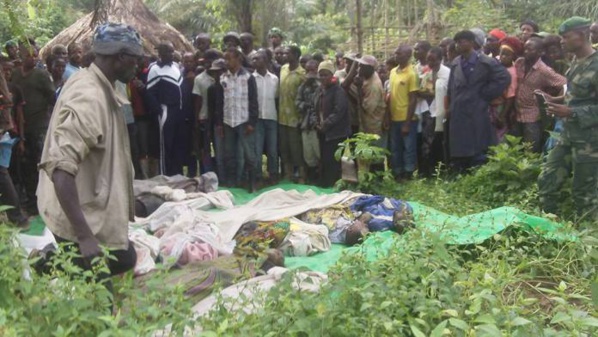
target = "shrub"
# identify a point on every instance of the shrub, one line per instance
(516, 285)
(63, 303)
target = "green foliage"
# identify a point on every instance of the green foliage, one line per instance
(466, 14)
(39, 19)
(68, 302)
(509, 177)
(516, 285)
(360, 147)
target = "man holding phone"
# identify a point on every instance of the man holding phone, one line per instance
(577, 150)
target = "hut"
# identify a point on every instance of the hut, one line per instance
(131, 12)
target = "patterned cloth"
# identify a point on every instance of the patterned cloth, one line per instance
(240, 98)
(540, 76)
(112, 38)
(577, 150)
(305, 102)
(288, 114)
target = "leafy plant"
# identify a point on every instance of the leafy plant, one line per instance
(517, 284)
(70, 302)
(361, 148)
(509, 177)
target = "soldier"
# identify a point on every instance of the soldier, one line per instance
(577, 150)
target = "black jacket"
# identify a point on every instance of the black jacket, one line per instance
(332, 112)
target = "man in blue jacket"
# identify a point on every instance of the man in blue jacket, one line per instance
(475, 81)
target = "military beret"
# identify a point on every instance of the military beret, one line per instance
(574, 23)
(276, 32)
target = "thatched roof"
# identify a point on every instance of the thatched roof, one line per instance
(131, 12)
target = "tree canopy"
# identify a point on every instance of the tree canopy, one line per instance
(314, 24)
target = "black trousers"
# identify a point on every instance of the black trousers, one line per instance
(124, 260)
(330, 168)
(33, 153)
(9, 197)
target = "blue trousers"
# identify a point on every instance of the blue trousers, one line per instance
(239, 154)
(403, 149)
(266, 134)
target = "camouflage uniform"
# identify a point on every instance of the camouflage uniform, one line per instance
(309, 136)
(577, 150)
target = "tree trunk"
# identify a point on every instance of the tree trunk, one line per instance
(243, 13)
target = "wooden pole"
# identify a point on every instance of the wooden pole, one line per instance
(359, 29)
(386, 33)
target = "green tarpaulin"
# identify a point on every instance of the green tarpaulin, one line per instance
(471, 229)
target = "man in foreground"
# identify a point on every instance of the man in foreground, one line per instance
(86, 177)
(577, 149)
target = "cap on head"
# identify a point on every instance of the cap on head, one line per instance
(498, 34)
(351, 56)
(232, 36)
(530, 23)
(327, 65)
(247, 34)
(368, 60)
(276, 32)
(114, 38)
(219, 64)
(480, 36)
(574, 23)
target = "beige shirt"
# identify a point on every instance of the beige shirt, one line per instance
(373, 106)
(88, 138)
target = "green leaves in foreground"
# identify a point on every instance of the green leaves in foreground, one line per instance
(423, 288)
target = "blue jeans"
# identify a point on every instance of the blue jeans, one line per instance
(239, 154)
(266, 137)
(403, 150)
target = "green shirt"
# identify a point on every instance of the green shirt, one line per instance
(288, 114)
(582, 97)
(38, 93)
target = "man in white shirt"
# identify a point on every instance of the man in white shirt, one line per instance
(267, 123)
(440, 75)
(204, 125)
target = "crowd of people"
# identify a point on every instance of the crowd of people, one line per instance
(227, 109)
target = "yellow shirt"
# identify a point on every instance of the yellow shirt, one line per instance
(402, 82)
(88, 138)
